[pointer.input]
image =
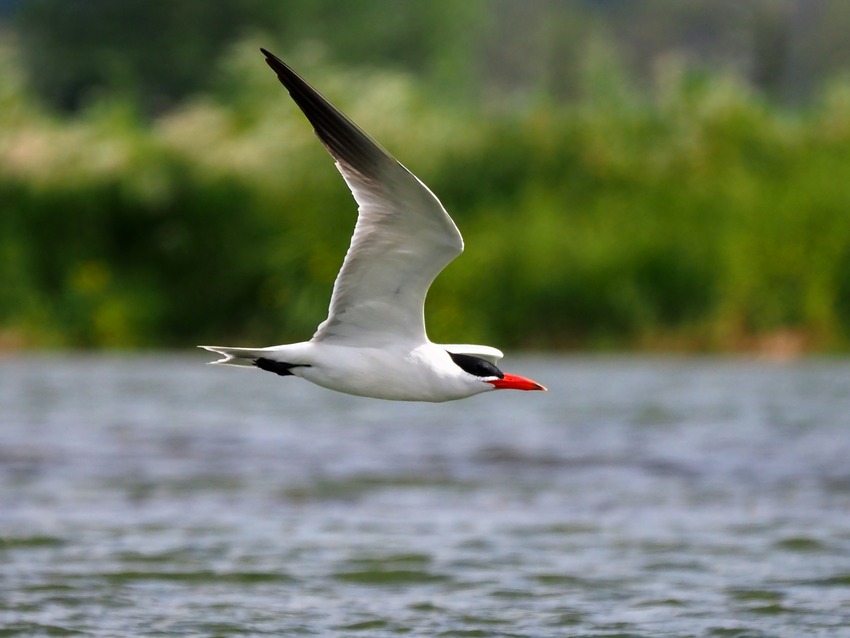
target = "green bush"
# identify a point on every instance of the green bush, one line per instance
(700, 217)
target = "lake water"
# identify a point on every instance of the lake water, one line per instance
(639, 497)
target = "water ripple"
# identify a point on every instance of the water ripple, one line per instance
(153, 496)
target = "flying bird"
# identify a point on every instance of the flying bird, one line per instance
(373, 342)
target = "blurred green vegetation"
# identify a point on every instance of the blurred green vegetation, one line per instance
(693, 216)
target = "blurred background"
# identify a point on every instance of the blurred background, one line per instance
(664, 176)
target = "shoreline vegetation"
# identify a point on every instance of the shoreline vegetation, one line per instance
(695, 216)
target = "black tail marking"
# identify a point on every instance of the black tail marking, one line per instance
(278, 367)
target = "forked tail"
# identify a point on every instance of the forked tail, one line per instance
(242, 357)
(261, 358)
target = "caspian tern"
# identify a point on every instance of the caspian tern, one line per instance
(373, 342)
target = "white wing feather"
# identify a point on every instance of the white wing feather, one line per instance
(402, 240)
(488, 353)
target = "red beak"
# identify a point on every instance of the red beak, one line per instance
(515, 382)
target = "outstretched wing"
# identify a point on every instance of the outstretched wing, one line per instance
(402, 240)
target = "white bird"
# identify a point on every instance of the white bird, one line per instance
(373, 342)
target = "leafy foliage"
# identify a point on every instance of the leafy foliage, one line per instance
(700, 218)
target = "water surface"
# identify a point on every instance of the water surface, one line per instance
(155, 496)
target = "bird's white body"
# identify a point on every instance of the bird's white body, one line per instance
(401, 372)
(373, 342)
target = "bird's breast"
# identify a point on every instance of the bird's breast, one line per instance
(400, 374)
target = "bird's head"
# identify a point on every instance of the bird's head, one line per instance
(489, 373)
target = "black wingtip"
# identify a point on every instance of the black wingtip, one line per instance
(272, 60)
(345, 140)
(284, 72)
